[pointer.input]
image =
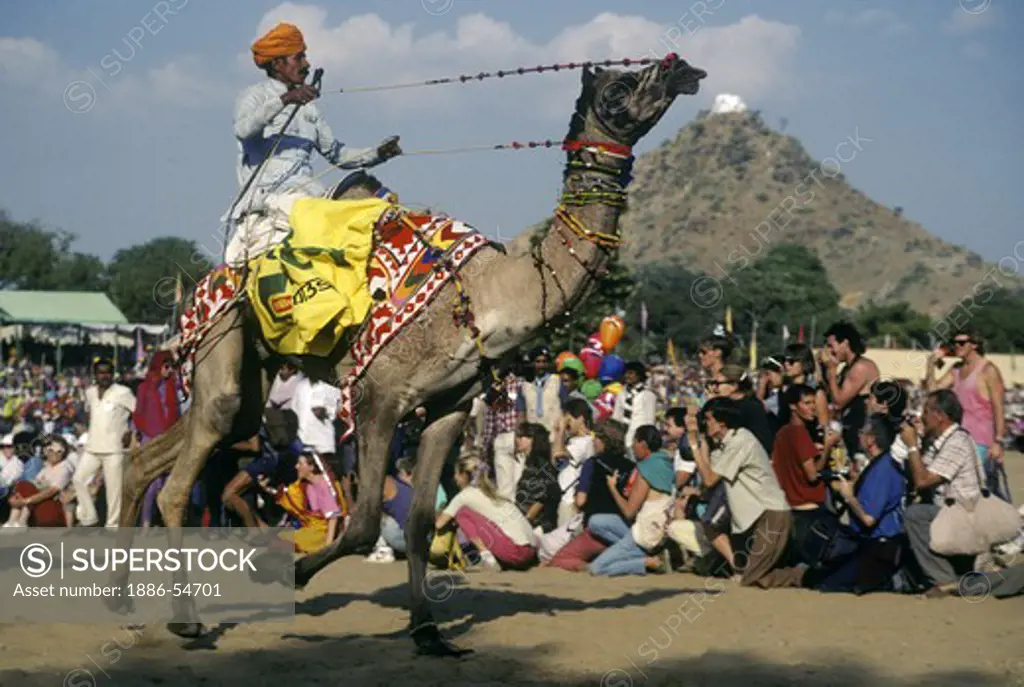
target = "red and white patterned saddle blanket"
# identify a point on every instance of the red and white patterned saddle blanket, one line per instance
(414, 256)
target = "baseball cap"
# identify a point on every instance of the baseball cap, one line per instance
(7, 440)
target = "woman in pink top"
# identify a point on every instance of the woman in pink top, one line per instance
(978, 386)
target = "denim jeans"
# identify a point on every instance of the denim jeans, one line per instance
(624, 556)
(392, 533)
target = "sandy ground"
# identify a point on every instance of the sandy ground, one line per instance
(551, 627)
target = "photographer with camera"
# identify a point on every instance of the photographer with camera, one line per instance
(865, 554)
(761, 520)
(798, 462)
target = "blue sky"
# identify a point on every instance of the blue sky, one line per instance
(120, 147)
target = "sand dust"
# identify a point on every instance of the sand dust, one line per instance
(551, 627)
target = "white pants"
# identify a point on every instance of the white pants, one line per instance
(113, 471)
(507, 468)
(257, 233)
(553, 542)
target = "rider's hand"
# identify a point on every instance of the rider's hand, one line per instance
(300, 95)
(389, 148)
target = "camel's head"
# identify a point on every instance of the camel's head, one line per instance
(626, 105)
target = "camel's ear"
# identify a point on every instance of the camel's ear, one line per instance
(589, 76)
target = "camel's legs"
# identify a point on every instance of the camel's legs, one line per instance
(435, 446)
(375, 436)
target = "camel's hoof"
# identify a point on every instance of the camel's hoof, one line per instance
(186, 630)
(430, 642)
(302, 575)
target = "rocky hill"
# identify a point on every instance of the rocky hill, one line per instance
(727, 186)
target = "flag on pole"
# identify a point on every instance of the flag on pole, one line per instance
(1013, 359)
(139, 353)
(670, 353)
(800, 334)
(728, 318)
(753, 349)
(785, 334)
(643, 316)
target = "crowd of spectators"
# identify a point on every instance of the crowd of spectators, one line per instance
(810, 471)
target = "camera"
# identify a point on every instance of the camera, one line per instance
(830, 475)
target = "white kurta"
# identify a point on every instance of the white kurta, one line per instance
(261, 215)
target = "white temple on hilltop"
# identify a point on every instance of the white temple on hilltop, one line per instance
(726, 102)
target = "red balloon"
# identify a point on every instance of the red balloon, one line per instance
(612, 329)
(591, 363)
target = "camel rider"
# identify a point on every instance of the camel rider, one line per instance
(260, 216)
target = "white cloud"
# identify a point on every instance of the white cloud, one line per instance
(962, 22)
(885, 21)
(750, 57)
(28, 63)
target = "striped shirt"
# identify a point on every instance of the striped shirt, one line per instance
(954, 457)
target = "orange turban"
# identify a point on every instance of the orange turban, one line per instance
(281, 41)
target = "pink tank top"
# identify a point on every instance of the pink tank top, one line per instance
(977, 408)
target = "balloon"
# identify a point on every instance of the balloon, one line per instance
(615, 388)
(574, 363)
(612, 368)
(591, 388)
(604, 404)
(591, 365)
(562, 357)
(612, 329)
(594, 344)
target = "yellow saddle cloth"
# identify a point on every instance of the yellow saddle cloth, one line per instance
(313, 285)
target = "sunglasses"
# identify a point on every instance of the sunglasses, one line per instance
(961, 342)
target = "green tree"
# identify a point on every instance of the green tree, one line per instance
(785, 286)
(679, 308)
(142, 278)
(998, 320)
(899, 321)
(34, 259)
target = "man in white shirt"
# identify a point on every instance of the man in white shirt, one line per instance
(110, 407)
(315, 405)
(11, 466)
(282, 391)
(635, 406)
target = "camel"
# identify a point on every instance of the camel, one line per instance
(434, 362)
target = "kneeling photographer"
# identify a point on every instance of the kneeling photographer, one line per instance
(865, 554)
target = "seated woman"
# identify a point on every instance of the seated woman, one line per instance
(647, 508)
(312, 502)
(537, 493)
(398, 492)
(575, 549)
(501, 534)
(865, 556)
(38, 503)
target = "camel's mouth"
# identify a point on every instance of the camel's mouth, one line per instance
(679, 76)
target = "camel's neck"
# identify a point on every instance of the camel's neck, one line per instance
(593, 197)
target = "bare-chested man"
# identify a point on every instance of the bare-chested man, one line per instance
(848, 390)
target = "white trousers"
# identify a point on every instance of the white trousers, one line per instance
(257, 233)
(507, 468)
(89, 464)
(551, 543)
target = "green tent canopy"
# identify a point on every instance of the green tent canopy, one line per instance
(58, 307)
